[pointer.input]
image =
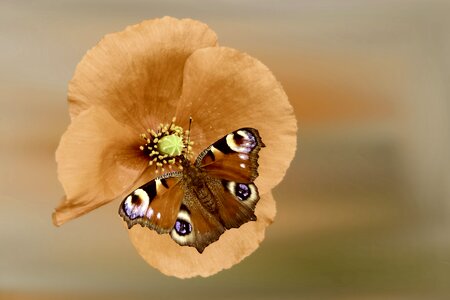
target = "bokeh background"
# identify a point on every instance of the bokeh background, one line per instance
(363, 212)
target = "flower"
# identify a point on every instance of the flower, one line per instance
(141, 77)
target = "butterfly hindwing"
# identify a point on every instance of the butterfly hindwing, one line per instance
(196, 227)
(233, 157)
(237, 203)
(155, 204)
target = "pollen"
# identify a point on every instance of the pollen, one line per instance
(167, 145)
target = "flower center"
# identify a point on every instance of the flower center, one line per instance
(171, 145)
(168, 146)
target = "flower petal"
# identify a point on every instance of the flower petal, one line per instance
(98, 159)
(137, 74)
(223, 90)
(161, 252)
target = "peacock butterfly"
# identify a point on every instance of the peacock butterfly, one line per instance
(197, 204)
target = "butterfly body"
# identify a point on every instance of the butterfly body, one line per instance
(199, 186)
(196, 205)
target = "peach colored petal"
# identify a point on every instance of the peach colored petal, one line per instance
(223, 90)
(161, 252)
(98, 159)
(136, 74)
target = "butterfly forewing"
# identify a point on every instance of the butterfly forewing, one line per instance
(155, 204)
(234, 157)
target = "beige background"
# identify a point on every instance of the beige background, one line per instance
(363, 212)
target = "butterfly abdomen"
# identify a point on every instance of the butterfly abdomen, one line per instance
(206, 199)
(205, 195)
(195, 183)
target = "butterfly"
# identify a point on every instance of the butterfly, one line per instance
(197, 204)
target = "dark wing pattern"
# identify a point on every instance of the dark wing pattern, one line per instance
(155, 204)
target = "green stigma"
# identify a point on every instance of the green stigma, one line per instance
(166, 146)
(172, 145)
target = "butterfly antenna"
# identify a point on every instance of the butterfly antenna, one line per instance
(189, 135)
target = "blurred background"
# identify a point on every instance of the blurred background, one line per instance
(363, 212)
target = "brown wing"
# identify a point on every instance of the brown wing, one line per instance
(155, 204)
(237, 203)
(234, 157)
(196, 227)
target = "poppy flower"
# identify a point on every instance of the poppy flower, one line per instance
(134, 82)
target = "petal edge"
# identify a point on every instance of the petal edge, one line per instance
(97, 159)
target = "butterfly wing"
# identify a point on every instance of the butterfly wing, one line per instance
(155, 204)
(234, 160)
(237, 203)
(196, 227)
(234, 157)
